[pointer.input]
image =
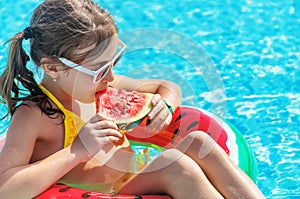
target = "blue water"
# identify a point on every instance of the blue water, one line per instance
(239, 59)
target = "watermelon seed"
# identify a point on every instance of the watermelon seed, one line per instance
(193, 124)
(64, 189)
(180, 116)
(175, 134)
(148, 122)
(86, 195)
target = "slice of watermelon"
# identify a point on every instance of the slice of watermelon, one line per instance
(128, 108)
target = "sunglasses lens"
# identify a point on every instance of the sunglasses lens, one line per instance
(117, 59)
(102, 74)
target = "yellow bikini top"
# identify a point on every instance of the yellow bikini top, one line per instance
(72, 122)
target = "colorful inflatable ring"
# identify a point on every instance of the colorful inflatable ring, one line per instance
(185, 120)
(188, 119)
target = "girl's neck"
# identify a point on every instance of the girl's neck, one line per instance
(63, 97)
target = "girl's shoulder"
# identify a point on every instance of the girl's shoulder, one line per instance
(27, 106)
(29, 130)
(30, 116)
(29, 111)
(31, 124)
(26, 110)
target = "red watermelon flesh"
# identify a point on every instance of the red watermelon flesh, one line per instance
(125, 107)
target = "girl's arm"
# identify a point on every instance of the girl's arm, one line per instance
(18, 177)
(27, 181)
(169, 91)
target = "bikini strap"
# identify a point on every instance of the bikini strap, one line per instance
(72, 122)
(52, 97)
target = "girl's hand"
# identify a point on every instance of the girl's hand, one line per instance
(160, 116)
(96, 134)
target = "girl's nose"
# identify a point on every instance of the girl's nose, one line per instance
(109, 77)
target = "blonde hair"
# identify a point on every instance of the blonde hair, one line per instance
(57, 29)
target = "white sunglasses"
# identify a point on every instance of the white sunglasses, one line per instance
(97, 75)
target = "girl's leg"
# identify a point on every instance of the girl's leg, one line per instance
(225, 176)
(172, 173)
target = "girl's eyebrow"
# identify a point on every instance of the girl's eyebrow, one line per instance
(98, 63)
(91, 62)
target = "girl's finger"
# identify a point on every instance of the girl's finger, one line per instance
(156, 109)
(164, 124)
(108, 132)
(105, 124)
(158, 119)
(156, 98)
(113, 138)
(100, 117)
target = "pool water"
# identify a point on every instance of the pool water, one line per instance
(239, 59)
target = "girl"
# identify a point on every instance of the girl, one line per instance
(55, 135)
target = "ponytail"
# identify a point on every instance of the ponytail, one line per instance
(15, 72)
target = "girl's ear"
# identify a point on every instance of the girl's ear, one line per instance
(50, 67)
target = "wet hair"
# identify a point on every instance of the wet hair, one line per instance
(58, 28)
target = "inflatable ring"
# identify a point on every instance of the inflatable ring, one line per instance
(185, 120)
(189, 119)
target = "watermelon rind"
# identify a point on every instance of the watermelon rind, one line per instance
(130, 123)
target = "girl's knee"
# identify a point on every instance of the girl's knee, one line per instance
(165, 159)
(199, 136)
(198, 143)
(177, 164)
